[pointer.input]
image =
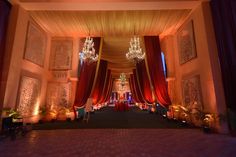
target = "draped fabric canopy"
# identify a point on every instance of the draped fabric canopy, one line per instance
(86, 78)
(139, 80)
(155, 65)
(65, 23)
(144, 84)
(100, 81)
(109, 90)
(134, 95)
(137, 88)
(106, 86)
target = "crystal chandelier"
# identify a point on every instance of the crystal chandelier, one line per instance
(88, 51)
(122, 79)
(135, 51)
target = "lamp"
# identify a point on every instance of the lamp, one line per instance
(88, 51)
(135, 51)
(122, 80)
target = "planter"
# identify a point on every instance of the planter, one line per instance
(61, 117)
(207, 130)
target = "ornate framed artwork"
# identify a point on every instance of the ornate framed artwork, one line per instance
(28, 96)
(61, 54)
(186, 43)
(191, 90)
(35, 46)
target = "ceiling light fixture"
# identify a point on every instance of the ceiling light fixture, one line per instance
(135, 51)
(122, 79)
(88, 54)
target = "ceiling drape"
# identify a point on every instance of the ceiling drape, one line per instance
(86, 78)
(144, 84)
(153, 56)
(100, 81)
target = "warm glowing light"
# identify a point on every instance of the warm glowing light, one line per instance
(135, 51)
(36, 108)
(88, 52)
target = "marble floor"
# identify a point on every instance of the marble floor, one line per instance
(119, 143)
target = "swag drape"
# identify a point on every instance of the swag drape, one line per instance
(106, 87)
(144, 83)
(153, 56)
(109, 90)
(136, 87)
(134, 95)
(86, 78)
(100, 81)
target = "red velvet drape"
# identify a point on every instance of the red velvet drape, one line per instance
(144, 83)
(153, 55)
(86, 78)
(106, 87)
(139, 95)
(134, 95)
(100, 81)
(110, 90)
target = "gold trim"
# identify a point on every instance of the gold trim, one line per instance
(148, 73)
(98, 64)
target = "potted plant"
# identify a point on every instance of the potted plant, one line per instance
(9, 112)
(43, 113)
(62, 114)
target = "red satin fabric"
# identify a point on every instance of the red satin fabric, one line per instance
(86, 79)
(139, 95)
(153, 55)
(106, 87)
(144, 83)
(99, 84)
(134, 95)
(109, 90)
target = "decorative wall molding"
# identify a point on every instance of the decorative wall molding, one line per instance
(60, 76)
(168, 79)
